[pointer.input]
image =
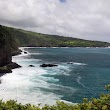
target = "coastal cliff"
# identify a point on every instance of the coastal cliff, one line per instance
(7, 47)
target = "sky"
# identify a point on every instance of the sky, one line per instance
(86, 19)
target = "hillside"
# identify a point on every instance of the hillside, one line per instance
(28, 38)
(8, 46)
(11, 38)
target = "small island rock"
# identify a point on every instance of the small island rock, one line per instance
(48, 65)
(25, 52)
(31, 66)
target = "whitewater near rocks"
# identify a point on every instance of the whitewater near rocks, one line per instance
(67, 82)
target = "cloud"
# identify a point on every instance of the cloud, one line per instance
(83, 19)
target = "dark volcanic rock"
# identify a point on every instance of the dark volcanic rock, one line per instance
(13, 65)
(8, 68)
(17, 52)
(31, 66)
(5, 56)
(25, 52)
(48, 65)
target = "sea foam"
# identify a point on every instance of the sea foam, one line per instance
(30, 85)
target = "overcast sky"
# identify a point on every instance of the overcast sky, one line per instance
(87, 19)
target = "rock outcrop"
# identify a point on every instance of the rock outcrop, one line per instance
(25, 52)
(7, 46)
(8, 68)
(31, 66)
(13, 65)
(48, 65)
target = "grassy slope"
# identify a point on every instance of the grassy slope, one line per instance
(28, 38)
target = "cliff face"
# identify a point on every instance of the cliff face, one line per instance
(7, 45)
(5, 56)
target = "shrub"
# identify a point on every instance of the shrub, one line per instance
(101, 103)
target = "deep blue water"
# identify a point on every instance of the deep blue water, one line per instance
(86, 76)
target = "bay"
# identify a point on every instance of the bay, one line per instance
(81, 72)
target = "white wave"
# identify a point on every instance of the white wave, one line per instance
(108, 47)
(79, 82)
(64, 47)
(21, 55)
(25, 60)
(76, 63)
(54, 47)
(59, 70)
(63, 89)
(34, 53)
(22, 48)
(79, 64)
(27, 53)
(68, 102)
(42, 47)
(20, 86)
(25, 84)
(18, 59)
(42, 80)
(25, 97)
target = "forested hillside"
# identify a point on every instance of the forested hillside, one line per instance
(7, 45)
(11, 38)
(28, 38)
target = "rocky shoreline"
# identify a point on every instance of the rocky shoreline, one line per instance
(8, 48)
(17, 52)
(8, 67)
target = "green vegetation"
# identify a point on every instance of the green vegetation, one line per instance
(11, 38)
(28, 38)
(7, 39)
(7, 45)
(101, 103)
(5, 69)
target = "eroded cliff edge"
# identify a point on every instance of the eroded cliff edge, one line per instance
(8, 45)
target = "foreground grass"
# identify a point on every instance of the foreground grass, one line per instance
(101, 103)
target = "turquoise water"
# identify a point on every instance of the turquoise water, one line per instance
(85, 76)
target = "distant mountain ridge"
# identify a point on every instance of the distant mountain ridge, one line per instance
(34, 39)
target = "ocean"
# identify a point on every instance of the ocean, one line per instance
(81, 73)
